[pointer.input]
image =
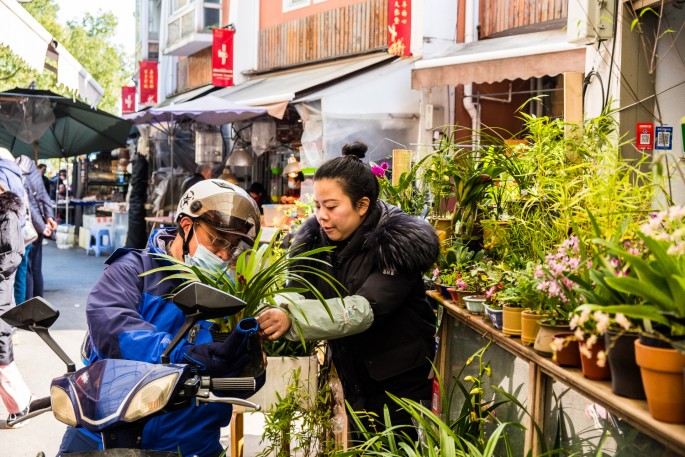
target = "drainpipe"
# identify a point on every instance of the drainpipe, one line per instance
(471, 13)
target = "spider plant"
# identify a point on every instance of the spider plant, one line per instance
(262, 273)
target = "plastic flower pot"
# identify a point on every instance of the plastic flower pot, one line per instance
(662, 375)
(511, 320)
(568, 355)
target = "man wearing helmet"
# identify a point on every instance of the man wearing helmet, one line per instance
(129, 316)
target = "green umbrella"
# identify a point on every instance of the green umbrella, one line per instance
(44, 125)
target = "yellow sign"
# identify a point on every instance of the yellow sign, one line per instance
(401, 163)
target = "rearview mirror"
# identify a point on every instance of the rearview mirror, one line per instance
(209, 302)
(35, 311)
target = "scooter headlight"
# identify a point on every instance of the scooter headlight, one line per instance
(151, 398)
(62, 407)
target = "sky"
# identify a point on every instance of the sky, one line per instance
(123, 9)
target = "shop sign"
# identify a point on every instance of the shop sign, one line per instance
(663, 138)
(148, 83)
(644, 135)
(222, 57)
(128, 99)
(399, 27)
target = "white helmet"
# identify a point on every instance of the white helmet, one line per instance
(223, 206)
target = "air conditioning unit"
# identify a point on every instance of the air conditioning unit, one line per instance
(590, 21)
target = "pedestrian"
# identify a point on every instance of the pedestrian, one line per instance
(13, 390)
(203, 172)
(12, 179)
(132, 317)
(292, 193)
(43, 219)
(380, 256)
(258, 193)
(42, 168)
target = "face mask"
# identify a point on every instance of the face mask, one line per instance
(204, 258)
(292, 185)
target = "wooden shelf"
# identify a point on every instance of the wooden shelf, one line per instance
(634, 412)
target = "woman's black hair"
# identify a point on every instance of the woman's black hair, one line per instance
(355, 177)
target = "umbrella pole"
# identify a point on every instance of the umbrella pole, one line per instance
(171, 152)
(35, 152)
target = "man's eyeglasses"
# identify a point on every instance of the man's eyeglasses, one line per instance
(217, 242)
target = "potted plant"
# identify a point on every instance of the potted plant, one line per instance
(561, 294)
(519, 297)
(656, 276)
(262, 273)
(478, 279)
(406, 194)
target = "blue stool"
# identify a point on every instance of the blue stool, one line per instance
(99, 242)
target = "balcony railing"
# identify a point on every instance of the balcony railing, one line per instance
(189, 29)
(500, 16)
(349, 30)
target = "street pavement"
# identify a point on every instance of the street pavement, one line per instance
(69, 274)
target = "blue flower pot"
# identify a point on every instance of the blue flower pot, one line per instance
(495, 316)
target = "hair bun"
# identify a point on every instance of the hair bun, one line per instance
(357, 149)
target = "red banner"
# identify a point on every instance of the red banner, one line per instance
(399, 27)
(222, 57)
(128, 99)
(148, 83)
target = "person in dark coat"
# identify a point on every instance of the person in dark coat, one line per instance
(43, 218)
(13, 390)
(203, 172)
(380, 256)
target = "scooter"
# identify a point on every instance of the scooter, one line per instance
(116, 398)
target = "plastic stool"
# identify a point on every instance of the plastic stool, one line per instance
(99, 242)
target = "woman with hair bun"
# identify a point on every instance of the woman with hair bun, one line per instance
(382, 334)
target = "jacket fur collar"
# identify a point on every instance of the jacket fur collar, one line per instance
(395, 240)
(9, 201)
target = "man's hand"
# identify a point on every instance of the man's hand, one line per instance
(273, 323)
(51, 223)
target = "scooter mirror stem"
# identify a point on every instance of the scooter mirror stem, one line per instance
(191, 319)
(43, 333)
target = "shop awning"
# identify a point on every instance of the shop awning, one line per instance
(276, 90)
(29, 40)
(507, 58)
(186, 96)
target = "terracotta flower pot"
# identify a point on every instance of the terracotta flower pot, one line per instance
(626, 380)
(511, 320)
(475, 303)
(590, 366)
(458, 295)
(530, 324)
(545, 336)
(662, 375)
(569, 354)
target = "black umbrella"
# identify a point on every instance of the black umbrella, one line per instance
(45, 125)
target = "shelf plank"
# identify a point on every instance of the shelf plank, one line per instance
(635, 412)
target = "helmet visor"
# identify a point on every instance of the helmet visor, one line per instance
(229, 213)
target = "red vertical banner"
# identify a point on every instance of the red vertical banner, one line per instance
(399, 27)
(128, 99)
(222, 57)
(148, 83)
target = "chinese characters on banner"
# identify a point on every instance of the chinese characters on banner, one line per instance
(399, 27)
(128, 99)
(148, 83)
(222, 57)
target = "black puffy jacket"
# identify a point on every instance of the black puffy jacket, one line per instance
(383, 261)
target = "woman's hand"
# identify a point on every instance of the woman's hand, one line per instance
(273, 323)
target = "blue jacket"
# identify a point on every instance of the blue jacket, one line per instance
(129, 318)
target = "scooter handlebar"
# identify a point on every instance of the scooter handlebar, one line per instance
(36, 408)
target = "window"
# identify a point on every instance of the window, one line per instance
(290, 5)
